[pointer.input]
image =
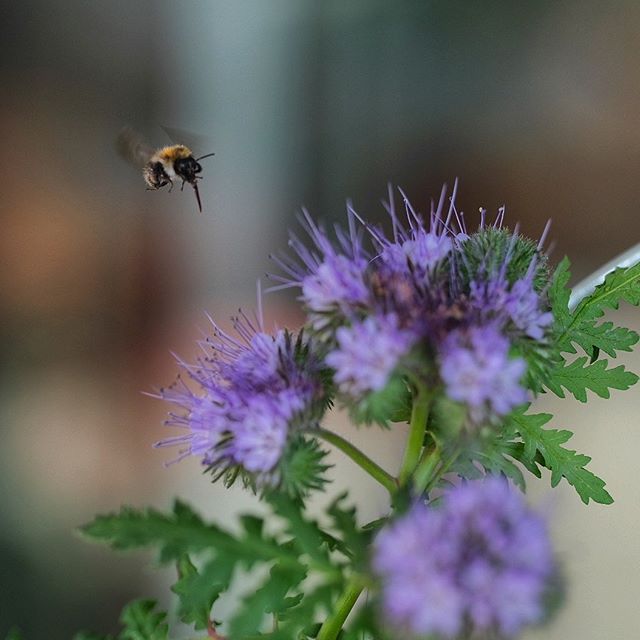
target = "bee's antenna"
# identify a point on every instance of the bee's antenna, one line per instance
(207, 155)
(195, 188)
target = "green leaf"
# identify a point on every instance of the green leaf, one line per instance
(180, 533)
(307, 535)
(141, 622)
(495, 453)
(302, 468)
(391, 404)
(620, 285)
(446, 418)
(579, 376)
(544, 446)
(580, 327)
(270, 598)
(559, 294)
(197, 591)
(16, 634)
(300, 621)
(604, 337)
(344, 521)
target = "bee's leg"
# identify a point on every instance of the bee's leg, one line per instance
(171, 187)
(182, 185)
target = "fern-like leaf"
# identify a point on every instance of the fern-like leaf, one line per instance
(545, 446)
(579, 376)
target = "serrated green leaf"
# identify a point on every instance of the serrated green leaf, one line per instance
(622, 284)
(390, 404)
(353, 540)
(546, 445)
(197, 591)
(141, 622)
(579, 376)
(559, 294)
(306, 534)
(301, 620)
(180, 533)
(605, 337)
(495, 452)
(270, 598)
(446, 417)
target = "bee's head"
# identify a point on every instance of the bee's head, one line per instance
(187, 168)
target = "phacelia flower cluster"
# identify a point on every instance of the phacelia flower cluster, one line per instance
(480, 563)
(431, 301)
(253, 392)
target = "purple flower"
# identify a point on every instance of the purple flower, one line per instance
(337, 284)
(331, 276)
(466, 296)
(251, 393)
(422, 252)
(260, 434)
(367, 353)
(519, 304)
(523, 306)
(481, 561)
(476, 369)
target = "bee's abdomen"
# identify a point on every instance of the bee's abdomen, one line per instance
(154, 175)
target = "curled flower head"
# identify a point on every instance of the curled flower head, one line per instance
(254, 393)
(482, 561)
(462, 301)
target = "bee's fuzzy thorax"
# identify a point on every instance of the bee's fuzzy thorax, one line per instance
(173, 153)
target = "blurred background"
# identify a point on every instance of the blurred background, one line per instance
(535, 105)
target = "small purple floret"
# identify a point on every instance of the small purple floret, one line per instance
(367, 353)
(476, 369)
(481, 560)
(421, 253)
(338, 284)
(523, 305)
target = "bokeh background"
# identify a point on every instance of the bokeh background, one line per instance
(535, 105)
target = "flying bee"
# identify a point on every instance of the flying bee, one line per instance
(161, 166)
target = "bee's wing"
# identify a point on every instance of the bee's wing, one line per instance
(133, 147)
(194, 141)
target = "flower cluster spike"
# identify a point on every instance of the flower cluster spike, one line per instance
(481, 563)
(420, 301)
(253, 393)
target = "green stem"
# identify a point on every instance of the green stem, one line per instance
(444, 467)
(332, 625)
(426, 468)
(361, 459)
(417, 428)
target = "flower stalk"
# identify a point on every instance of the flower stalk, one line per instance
(417, 430)
(360, 458)
(333, 625)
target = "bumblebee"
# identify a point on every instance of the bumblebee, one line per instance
(161, 166)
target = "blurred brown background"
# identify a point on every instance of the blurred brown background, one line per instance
(531, 104)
